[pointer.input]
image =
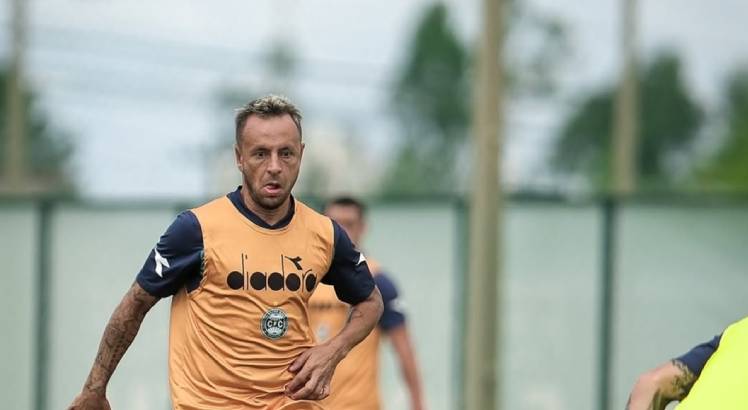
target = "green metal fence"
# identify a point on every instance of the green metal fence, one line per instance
(576, 336)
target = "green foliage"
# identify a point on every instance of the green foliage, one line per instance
(536, 45)
(431, 104)
(669, 122)
(48, 150)
(728, 169)
(431, 97)
(431, 92)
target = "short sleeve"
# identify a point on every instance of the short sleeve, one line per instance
(393, 314)
(697, 357)
(176, 260)
(349, 274)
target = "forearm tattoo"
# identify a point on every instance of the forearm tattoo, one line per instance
(353, 313)
(118, 335)
(682, 383)
(675, 389)
(659, 401)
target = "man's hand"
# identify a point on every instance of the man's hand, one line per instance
(314, 369)
(89, 400)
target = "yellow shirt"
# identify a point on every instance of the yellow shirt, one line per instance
(723, 383)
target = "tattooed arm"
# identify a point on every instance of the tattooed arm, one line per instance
(118, 335)
(658, 387)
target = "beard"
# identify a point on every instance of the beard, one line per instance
(267, 203)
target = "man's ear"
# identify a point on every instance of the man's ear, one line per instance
(301, 154)
(238, 157)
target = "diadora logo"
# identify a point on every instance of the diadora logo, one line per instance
(291, 277)
(161, 263)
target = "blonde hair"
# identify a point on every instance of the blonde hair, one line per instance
(268, 106)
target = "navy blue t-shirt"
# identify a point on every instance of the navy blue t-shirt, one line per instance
(180, 251)
(697, 357)
(393, 314)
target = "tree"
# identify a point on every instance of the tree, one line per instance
(670, 120)
(728, 168)
(430, 102)
(48, 150)
(431, 97)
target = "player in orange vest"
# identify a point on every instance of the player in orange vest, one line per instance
(241, 270)
(355, 385)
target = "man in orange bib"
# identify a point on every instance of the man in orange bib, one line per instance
(356, 381)
(241, 270)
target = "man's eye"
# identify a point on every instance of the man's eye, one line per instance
(285, 154)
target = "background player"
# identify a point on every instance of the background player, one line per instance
(713, 375)
(355, 384)
(241, 269)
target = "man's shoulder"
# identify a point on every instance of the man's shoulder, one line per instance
(306, 210)
(311, 218)
(212, 207)
(212, 203)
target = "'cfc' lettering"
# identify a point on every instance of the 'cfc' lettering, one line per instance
(273, 281)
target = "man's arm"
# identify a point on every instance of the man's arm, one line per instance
(118, 335)
(395, 326)
(314, 368)
(656, 388)
(673, 380)
(174, 263)
(401, 342)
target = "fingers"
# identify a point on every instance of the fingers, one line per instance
(300, 361)
(301, 377)
(325, 391)
(307, 391)
(313, 373)
(298, 381)
(308, 385)
(315, 389)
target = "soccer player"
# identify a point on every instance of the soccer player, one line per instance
(712, 375)
(241, 270)
(356, 381)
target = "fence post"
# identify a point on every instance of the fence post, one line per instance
(43, 301)
(461, 295)
(607, 300)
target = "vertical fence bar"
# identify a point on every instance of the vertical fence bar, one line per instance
(43, 300)
(460, 295)
(607, 301)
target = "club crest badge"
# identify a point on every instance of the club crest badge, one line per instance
(274, 324)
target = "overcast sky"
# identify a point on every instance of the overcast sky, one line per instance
(136, 82)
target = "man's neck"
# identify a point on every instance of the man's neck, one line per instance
(270, 216)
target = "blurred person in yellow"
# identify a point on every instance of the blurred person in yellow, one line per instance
(711, 376)
(355, 385)
(241, 269)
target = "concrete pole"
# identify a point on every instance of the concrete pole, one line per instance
(626, 111)
(482, 334)
(15, 153)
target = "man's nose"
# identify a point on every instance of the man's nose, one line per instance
(274, 167)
